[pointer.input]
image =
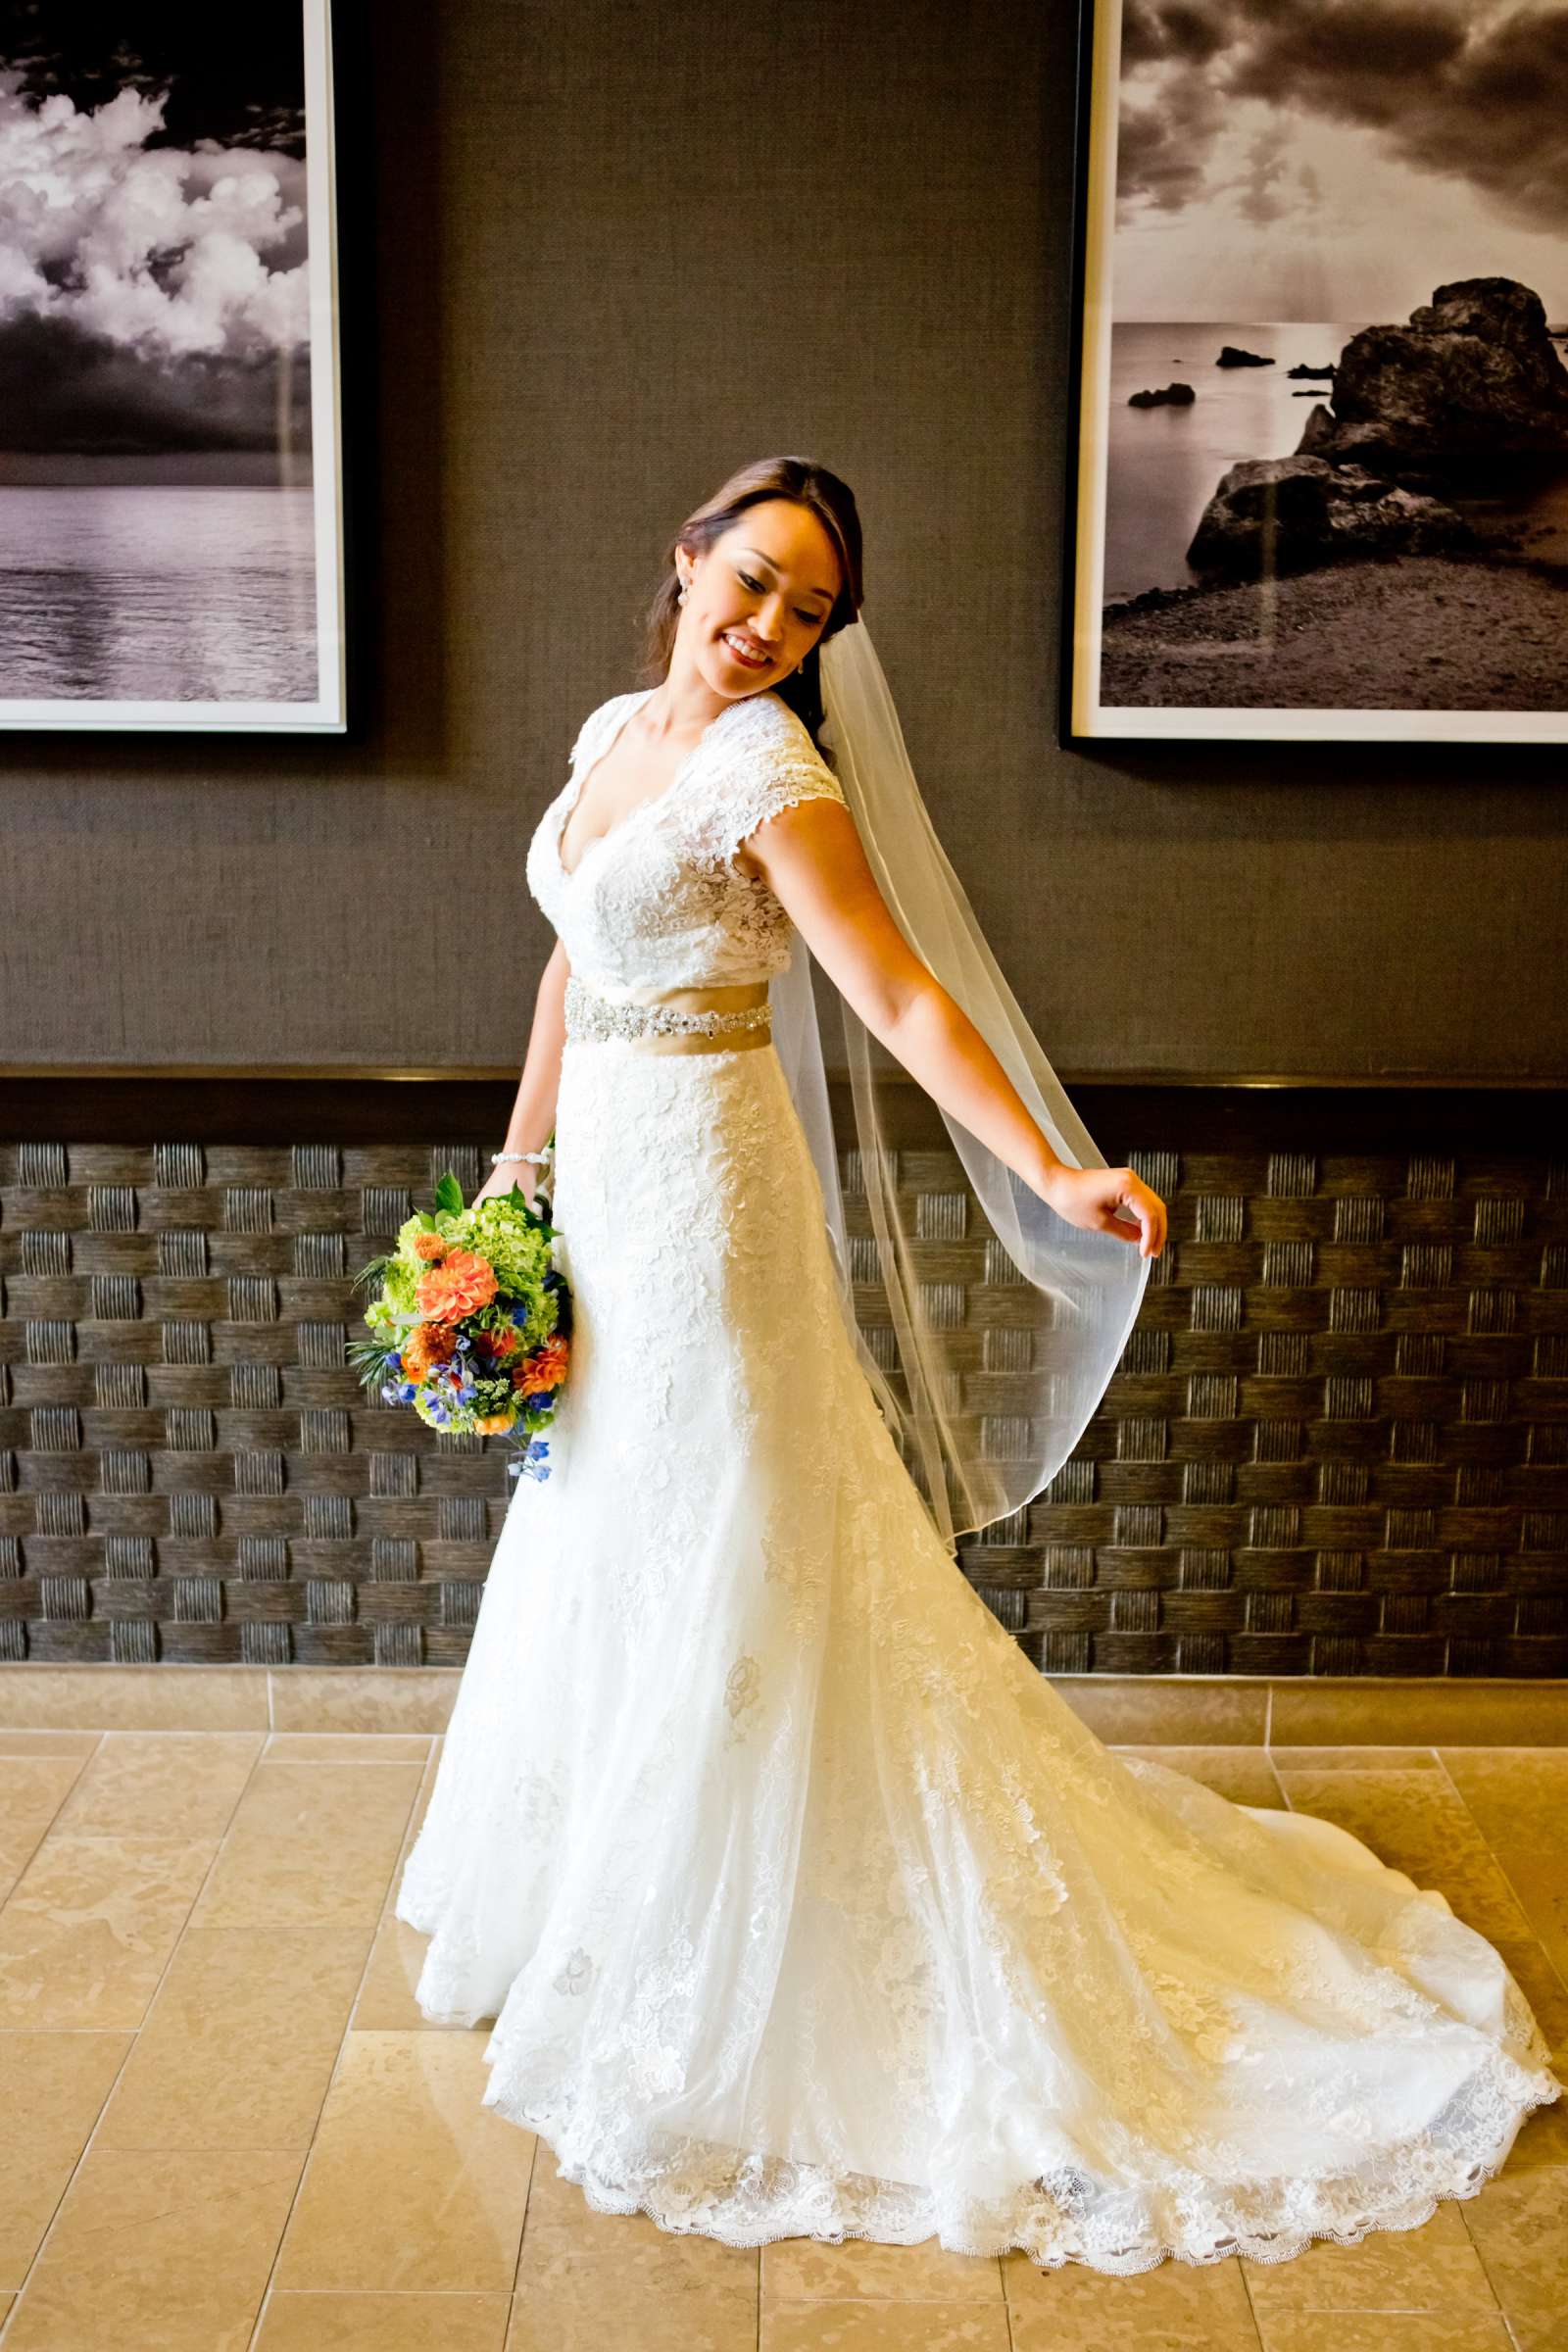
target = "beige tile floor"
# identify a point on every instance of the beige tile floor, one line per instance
(227, 2128)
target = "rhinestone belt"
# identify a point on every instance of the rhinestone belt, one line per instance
(671, 1020)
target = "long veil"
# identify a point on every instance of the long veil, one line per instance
(985, 1412)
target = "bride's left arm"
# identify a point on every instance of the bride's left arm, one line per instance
(811, 856)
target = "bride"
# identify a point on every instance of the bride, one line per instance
(801, 1904)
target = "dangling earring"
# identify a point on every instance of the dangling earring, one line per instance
(681, 598)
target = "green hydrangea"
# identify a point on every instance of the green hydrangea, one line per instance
(518, 1252)
(397, 1286)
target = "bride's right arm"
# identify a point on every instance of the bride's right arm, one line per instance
(533, 1113)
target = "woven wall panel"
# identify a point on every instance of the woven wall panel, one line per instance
(1337, 1441)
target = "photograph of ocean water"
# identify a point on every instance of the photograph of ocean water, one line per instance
(161, 474)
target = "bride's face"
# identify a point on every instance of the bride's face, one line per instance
(764, 589)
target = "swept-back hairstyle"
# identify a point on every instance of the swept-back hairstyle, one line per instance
(823, 493)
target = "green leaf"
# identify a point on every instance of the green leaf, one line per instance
(449, 1195)
(370, 1359)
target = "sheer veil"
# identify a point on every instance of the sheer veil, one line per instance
(984, 1414)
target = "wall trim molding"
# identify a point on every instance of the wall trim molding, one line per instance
(1171, 1114)
(1154, 1710)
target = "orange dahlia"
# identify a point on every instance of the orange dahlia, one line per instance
(427, 1344)
(457, 1286)
(429, 1245)
(544, 1370)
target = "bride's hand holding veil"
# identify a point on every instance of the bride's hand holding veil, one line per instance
(1090, 1198)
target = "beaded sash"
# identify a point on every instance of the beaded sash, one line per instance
(671, 1020)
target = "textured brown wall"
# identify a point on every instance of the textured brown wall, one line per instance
(1337, 1442)
(616, 251)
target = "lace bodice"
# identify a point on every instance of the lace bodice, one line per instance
(658, 901)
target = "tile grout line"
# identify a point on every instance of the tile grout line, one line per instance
(515, 2289)
(82, 1762)
(270, 2283)
(1548, 1959)
(1246, 2287)
(1464, 2203)
(135, 2031)
(1490, 1851)
(1474, 2245)
(1274, 1773)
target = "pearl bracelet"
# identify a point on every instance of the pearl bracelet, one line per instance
(496, 1157)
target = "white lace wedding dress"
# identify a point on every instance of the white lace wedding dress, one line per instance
(800, 1901)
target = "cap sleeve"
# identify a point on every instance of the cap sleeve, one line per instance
(598, 719)
(757, 788)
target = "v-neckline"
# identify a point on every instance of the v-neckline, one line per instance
(655, 801)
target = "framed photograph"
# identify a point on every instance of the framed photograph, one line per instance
(1318, 444)
(170, 475)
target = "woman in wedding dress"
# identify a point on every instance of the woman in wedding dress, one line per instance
(800, 1903)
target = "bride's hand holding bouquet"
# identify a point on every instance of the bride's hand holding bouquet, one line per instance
(531, 1177)
(473, 1322)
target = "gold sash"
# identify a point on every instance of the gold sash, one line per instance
(617, 1018)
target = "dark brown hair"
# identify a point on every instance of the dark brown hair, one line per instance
(807, 484)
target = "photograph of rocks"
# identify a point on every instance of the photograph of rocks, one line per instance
(1321, 474)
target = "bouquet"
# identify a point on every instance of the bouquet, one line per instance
(473, 1322)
